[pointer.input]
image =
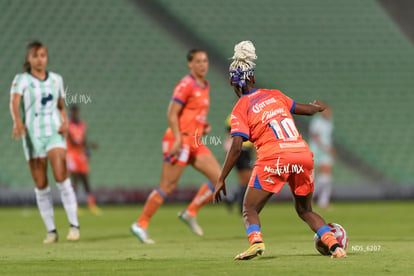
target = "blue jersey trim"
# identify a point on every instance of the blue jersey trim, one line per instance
(244, 135)
(178, 101)
(292, 109)
(250, 92)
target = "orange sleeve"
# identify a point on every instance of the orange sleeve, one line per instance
(238, 119)
(288, 101)
(182, 91)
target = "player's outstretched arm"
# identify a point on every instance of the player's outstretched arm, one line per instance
(231, 158)
(309, 109)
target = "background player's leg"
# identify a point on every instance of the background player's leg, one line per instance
(38, 169)
(90, 197)
(207, 165)
(74, 177)
(57, 157)
(323, 184)
(85, 181)
(170, 175)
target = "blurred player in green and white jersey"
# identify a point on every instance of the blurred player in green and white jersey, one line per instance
(320, 143)
(43, 127)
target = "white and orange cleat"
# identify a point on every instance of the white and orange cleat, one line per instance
(141, 233)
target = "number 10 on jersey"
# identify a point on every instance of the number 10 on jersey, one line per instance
(284, 128)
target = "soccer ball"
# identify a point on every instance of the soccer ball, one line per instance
(340, 236)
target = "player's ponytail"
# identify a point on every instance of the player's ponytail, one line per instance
(242, 66)
(32, 45)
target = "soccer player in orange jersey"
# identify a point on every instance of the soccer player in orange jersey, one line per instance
(264, 117)
(77, 157)
(182, 145)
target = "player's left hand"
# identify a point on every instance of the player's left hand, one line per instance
(319, 104)
(220, 186)
(63, 129)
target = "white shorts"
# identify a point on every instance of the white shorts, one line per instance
(37, 147)
(322, 158)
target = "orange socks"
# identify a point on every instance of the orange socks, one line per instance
(254, 237)
(157, 197)
(154, 201)
(91, 200)
(253, 234)
(203, 196)
(329, 239)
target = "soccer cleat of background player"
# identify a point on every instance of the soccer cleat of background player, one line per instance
(191, 222)
(141, 233)
(264, 117)
(43, 128)
(182, 145)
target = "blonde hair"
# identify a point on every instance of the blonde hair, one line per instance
(242, 66)
(244, 54)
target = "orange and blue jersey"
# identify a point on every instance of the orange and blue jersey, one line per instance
(76, 157)
(193, 117)
(77, 132)
(264, 117)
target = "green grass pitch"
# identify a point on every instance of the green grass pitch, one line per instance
(381, 240)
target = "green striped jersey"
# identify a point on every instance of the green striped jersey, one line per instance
(39, 102)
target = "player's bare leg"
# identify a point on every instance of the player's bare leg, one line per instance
(74, 177)
(91, 200)
(57, 158)
(254, 201)
(244, 177)
(323, 185)
(303, 206)
(38, 169)
(170, 174)
(207, 165)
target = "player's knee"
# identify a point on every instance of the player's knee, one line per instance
(60, 177)
(168, 187)
(303, 212)
(41, 183)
